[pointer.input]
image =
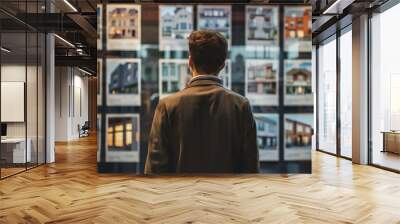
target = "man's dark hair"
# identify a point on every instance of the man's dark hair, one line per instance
(208, 50)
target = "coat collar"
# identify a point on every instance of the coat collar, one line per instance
(204, 80)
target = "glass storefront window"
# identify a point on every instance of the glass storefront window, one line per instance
(281, 97)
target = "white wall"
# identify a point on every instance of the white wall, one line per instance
(71, 94)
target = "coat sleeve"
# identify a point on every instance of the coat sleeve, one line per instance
(158, 152)
(250, 159)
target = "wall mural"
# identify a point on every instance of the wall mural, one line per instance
(144, 54)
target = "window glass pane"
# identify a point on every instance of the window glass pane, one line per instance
(346, 94)
(14, 153)
(385, 84)
(327, 97)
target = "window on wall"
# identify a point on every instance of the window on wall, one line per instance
(385, 89)
(327, 96)
(346, 93)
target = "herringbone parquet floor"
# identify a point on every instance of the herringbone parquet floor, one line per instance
(71, 191)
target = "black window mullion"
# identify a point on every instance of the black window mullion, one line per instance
(316, 133)
(281, 108)
(26, 86)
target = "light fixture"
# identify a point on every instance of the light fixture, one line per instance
(84, 71)
(5, 50)
(65, 41)
(70, 5)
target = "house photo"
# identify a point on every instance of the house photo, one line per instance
(298, 136)
(122, 137)
(298, 29)
(123, 27)
(267, 136)
(262, 25)
(176, 24)
(261, 84)
(298, 87)
(215, 17)
(123, 82)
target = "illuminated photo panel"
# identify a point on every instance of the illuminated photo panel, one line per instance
(123, 27)
(298, 134)
(298, 89)
(261, 83)
(123, 82)
(262, 28)
(298, 29)
(175, 26)
(217, 18)
(267, 136)
(122, 138)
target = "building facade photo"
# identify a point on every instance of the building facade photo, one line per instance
(298, 29)
(176, 23)
(267, 136)
(215, 17)
(262, 25)
(262, 81)
(123, 27)
(122, 138)
(298, 86)
(123, 81)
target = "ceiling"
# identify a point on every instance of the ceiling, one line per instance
(332, 15)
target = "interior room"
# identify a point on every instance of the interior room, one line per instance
(22, 98)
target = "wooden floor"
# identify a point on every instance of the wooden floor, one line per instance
(71, 191)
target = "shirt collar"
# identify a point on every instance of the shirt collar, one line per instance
(205, 80)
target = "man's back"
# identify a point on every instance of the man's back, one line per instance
(203, 129)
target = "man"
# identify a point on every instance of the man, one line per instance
(204, 128)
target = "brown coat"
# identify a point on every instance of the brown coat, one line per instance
(204, 128)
